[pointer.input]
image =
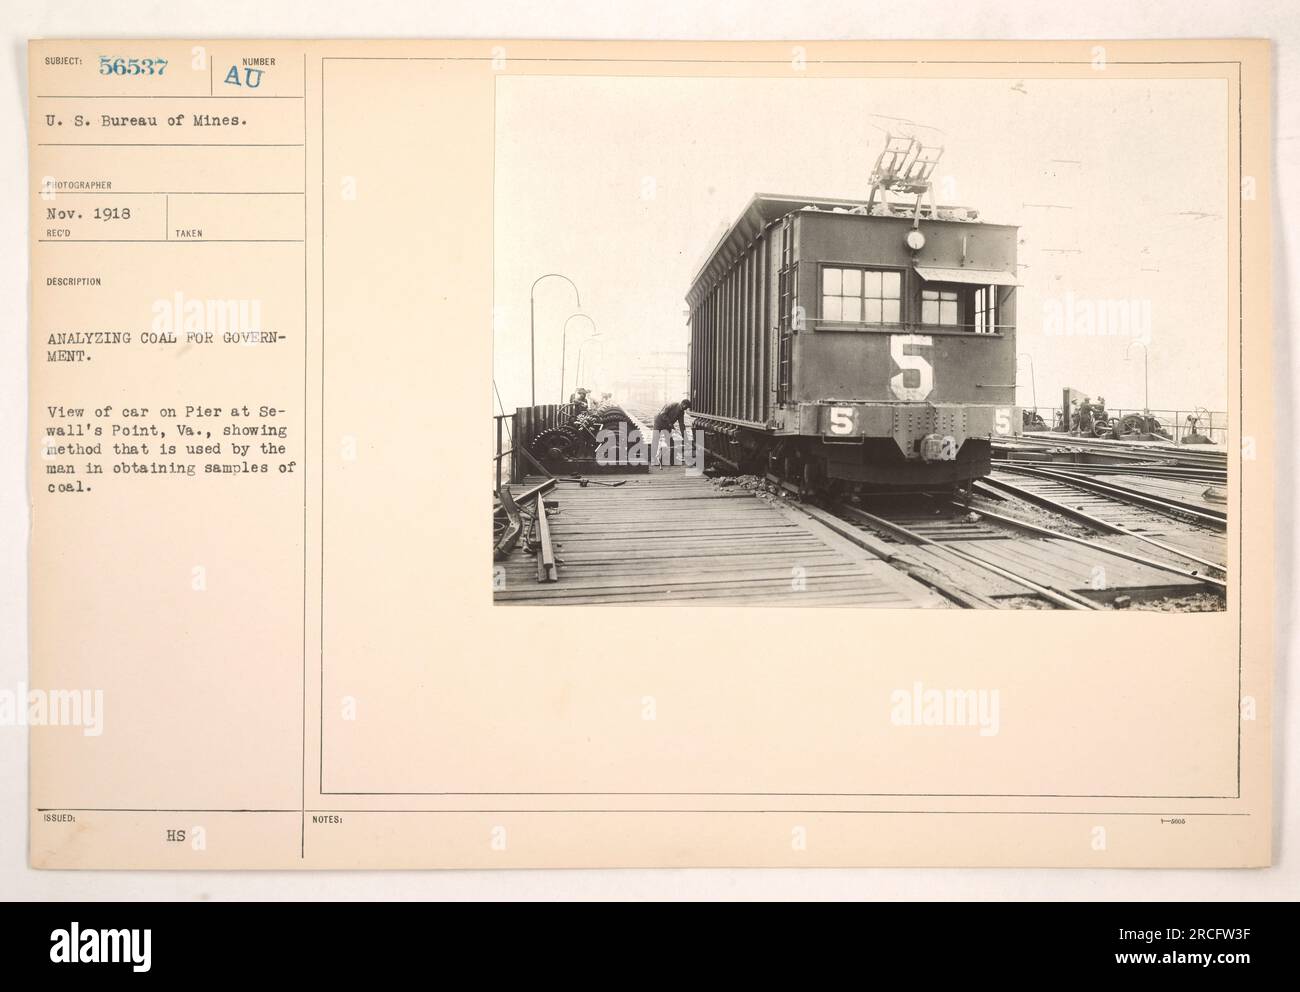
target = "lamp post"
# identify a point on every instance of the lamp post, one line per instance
(1146, 378)
(532, 328)
(582, 348)
(564, 348)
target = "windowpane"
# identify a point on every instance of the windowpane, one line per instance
(861, 295)
(929, 294)
(948, 294)
(929, 312)
(985, 302)
(948, 312)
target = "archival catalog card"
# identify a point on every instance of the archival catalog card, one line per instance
(874, 441)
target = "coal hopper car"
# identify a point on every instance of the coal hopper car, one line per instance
(856, 345)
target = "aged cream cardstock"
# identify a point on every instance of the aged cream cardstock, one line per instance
(271, 608)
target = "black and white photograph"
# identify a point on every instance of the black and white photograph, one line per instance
(909, 342)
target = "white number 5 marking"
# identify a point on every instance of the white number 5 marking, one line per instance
(911, 363)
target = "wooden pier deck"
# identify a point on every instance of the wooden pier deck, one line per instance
(668, 537)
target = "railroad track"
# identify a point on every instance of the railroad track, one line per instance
(944, 535)
(1087, 537)
(1151, 470)
(1202, 456)
(1189, 543)
(978, 557)
(1164, 500)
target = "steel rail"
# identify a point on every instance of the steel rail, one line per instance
(1067, 599)
(1153, 469)
(546, 568)
(1176, 508)
(1087, 518)
(1098, 546)
(926, 574)
(1060, 442)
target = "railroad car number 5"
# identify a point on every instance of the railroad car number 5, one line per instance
(911, 363)
(841, 420)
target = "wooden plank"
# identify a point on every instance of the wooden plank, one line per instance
(669, 537)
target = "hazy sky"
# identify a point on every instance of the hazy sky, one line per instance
(1119, 188)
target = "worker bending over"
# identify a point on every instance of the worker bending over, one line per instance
(673, 414)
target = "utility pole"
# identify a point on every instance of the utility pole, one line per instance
(1146, 375)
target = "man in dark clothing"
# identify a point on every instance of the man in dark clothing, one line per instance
(674, 414)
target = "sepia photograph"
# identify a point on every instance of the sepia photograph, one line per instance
(781, 341)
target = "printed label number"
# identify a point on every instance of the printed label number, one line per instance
(911, 363)
(841, 420)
